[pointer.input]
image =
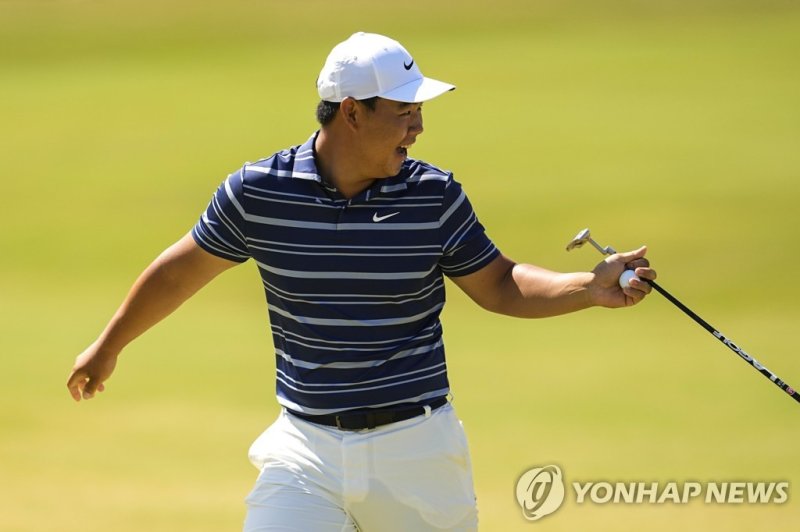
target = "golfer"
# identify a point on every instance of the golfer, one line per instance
(352, 239)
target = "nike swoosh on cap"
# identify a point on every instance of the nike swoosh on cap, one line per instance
(376, 218)
(408, 66)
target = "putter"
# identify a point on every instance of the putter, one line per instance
(585, 236)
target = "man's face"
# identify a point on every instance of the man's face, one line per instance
(386, 134)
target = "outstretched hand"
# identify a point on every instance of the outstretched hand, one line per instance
(605, 290)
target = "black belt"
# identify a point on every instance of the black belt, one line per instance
(373, 418)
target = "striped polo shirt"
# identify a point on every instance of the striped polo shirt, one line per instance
(354, 287)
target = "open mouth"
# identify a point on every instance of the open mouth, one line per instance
(403, 150)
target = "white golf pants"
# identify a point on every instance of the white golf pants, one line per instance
(414, 475)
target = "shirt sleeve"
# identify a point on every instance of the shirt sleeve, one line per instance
(220, 230)
(465, 246)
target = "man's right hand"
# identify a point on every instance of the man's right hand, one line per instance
(175, 276)
(92, 368)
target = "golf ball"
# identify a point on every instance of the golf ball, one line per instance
(625, 278)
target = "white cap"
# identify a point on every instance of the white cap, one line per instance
(368, 65)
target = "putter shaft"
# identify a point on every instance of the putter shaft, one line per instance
(732, 346)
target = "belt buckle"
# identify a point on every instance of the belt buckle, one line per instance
(370, 422)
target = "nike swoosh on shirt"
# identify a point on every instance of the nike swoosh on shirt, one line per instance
(376, 218)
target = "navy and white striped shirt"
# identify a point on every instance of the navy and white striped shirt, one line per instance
(354, 286)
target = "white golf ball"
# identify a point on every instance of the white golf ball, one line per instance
(625, 278)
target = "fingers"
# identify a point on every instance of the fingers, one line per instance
(631, 256)
(637, 289)
(75, 384)
(634, 260)
(81, 386)
(607, 276)
(644, 272)
(90, 388)
(92, 368)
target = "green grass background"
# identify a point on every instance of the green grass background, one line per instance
(674, 124)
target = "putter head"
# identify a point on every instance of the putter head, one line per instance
(579, 240)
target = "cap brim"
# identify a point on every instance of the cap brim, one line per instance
(419, 90)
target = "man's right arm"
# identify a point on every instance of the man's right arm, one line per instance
(176, 275)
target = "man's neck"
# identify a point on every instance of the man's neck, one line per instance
(336, 166)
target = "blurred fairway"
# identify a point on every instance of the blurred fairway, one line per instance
(675, 124)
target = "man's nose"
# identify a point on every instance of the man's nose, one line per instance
(416, 124)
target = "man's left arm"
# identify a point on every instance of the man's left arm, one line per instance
(528, 291)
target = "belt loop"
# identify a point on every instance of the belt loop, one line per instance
(427, 410)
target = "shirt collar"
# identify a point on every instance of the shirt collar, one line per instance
(305, 165)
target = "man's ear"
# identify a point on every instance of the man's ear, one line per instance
(351, 112)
